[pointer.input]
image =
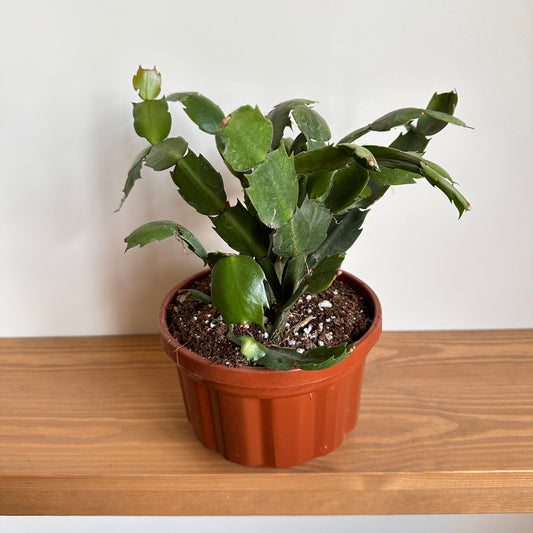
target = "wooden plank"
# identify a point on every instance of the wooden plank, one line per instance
(96, 425)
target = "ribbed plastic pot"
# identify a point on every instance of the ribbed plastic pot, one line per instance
(261, 417)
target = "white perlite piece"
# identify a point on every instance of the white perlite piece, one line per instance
(324, 304)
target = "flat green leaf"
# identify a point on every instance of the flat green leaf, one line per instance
(242, 231)
(343, 232)
(246, 138)
(164, 229)
(445, 103)
(269, 268)
(311, 124)
(411, 141)
(285, 359)
(352, 136)
(213, 257)
(199, 296)
(272, 357)
(366, 192)
(346, 185)
(315, 145)
(277, 358)
(166, 153)
(134, 174)
(327, 158)
(318, 183)
(430, 120)
(250, 348)
(399, 117)
(324, 357)
(444, 117)
(295, 270)
(404, 116)
(304, 232)
(147, 82)
(238, 291)
(202, 111)
(298, 145)
(273, 188)
(324, 273)
(192, 243)
(394, 176)
(152, 120)
(392, 158)
(436, 175)
(287, 143)
(410, 161)
(438, 169)
(200, 184)
(444, 184)
(371, 194)
(279, 116)
(361, 154)
(150, 232)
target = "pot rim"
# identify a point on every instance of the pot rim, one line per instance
(205, 369)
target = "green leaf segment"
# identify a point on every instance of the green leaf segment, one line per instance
(200, 184)
(238, 290)
(304, 200)
(204, 113)
(273, 188)
(246, 137)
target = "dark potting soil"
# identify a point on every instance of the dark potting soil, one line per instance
(338, 314)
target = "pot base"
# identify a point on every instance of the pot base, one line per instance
(275, 432)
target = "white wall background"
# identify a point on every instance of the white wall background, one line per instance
(66, 143)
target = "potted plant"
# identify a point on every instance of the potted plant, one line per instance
(303, 203)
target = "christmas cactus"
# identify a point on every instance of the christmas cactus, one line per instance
(304, 200)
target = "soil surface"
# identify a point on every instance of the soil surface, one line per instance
(338, 314)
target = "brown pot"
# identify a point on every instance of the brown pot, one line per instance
(262, 417)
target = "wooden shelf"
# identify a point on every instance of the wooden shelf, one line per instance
(96, 425)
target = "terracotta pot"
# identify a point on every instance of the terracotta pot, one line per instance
(262, 417)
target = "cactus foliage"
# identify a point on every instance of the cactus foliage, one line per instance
(303, 205)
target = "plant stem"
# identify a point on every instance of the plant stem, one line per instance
(279, 323)
(271, 276)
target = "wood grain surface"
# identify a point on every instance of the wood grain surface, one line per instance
(96, 425)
